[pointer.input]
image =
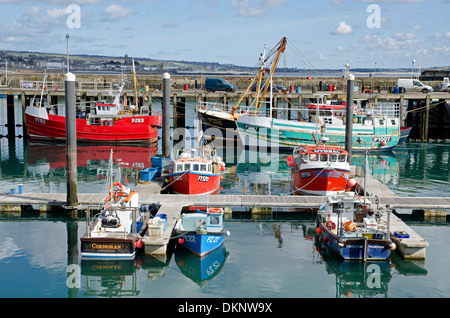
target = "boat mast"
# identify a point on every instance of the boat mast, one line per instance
(135, 88)
(258, 77)
(111, 174)
(281, 49)
(43, 87)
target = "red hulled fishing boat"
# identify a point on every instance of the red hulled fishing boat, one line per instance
(319, 170)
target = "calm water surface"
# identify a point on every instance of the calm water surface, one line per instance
(264, 258)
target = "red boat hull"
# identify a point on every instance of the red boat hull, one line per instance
(195, 183)
(123, 129)
(320, 182)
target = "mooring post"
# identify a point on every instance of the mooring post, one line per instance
(71, 141)
(166, 116)
(11, 123)
(349, 116)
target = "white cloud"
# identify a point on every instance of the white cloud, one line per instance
(35, 26)
(115, 12)
(169, 24)
(256, 10)
(391, 1)
(446, 34)
(342, 28)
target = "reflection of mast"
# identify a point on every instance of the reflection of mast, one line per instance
(277, 231)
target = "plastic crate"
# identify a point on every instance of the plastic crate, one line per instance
(150, 173)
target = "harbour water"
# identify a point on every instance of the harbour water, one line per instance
(269, 257)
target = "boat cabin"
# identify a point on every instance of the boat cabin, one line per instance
(211, 221)
(105, 109)
(349, 206)
(321, 154)
(195, 160)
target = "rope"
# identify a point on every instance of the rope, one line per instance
(420, 109)
(175, 179)
(327, 166)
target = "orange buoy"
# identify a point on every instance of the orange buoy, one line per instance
(349, 226)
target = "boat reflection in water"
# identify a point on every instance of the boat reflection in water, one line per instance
(118, 278)
(201, 269)
(110, 278)
(135, 157)
(355, 279)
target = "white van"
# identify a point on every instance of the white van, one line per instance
(413, 85)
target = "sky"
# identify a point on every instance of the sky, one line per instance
(320, 33)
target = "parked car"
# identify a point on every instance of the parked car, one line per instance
(218, 84)
(413, 85)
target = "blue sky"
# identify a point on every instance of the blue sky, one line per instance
(328, 33)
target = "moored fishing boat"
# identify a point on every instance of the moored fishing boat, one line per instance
(201, 232)
(376, 128)
(104, 122)
(117, 231)
(319, 170)
(404, 134)
(196, 170)
(350, 227)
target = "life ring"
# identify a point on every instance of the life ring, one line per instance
(215, 210)
(118, 193)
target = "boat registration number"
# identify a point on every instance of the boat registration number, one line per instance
(203, 178)
(381, 139)
(212, 239)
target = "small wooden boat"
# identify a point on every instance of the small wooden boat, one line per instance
(350, 227)
(201, 232)
(319, 170)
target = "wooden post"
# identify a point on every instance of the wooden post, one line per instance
(10, 116)
(427, 117)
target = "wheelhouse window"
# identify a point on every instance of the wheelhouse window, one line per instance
(187, 166)
(333, 158)
(323, 157)
(179, 167)
(313, 157)
(195, 167)
(342, 158)
(203, 167)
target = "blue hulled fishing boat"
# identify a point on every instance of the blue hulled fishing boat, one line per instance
(350, 227)
(201, 232)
